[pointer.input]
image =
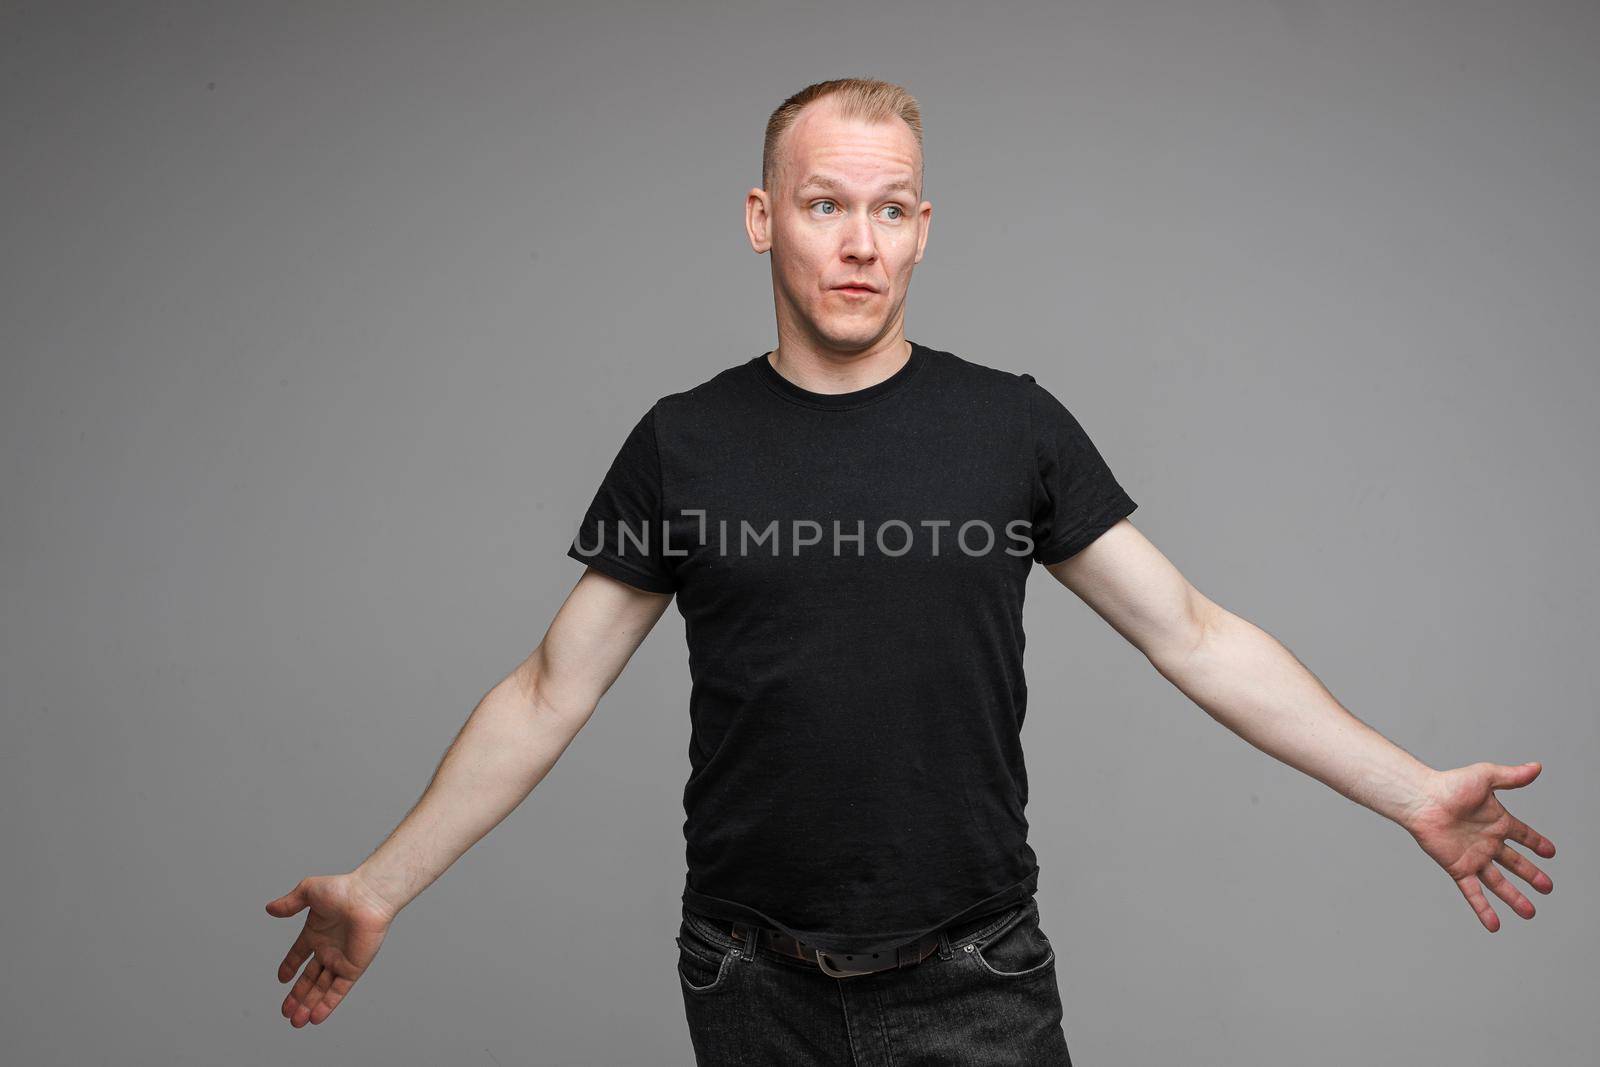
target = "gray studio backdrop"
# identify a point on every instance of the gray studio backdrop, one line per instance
(320, 327)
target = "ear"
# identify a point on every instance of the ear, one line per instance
(924, 218)
(758, 219)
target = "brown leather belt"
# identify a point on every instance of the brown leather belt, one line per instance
(843, 965)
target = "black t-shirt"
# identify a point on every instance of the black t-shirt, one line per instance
(850, 569)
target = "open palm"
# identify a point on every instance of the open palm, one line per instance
(1466, 830)
(342, 933)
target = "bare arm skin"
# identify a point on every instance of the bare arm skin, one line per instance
(508, 744)
(1249, 682)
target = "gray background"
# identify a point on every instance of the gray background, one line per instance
(320, 327)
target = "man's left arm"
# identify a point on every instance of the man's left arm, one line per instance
(1249, 682)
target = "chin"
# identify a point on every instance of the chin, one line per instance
(847, 329)
(852, 336)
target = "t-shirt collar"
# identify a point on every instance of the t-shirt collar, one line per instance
(790, 391)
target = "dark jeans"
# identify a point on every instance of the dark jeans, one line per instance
(986, 998)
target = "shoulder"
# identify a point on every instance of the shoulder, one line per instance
(971, 369)
(984, 382)
(1020, 383)
(729, 387)
(1037, 408)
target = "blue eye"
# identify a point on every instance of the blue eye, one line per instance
(896, 207)
(830, 203)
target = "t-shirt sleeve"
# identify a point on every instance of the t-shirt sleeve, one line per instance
(621, 534)
(1075, 496)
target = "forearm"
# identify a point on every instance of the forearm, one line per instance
(507, 746)
(1249, 682)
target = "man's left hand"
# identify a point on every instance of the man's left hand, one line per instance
(1462, 825)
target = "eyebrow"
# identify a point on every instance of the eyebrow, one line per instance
(822, 181)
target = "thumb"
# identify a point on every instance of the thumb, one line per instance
(1502, 776)
(290, 902)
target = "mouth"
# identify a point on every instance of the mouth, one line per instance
(855, 290)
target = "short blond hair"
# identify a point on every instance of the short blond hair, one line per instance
(860, 98)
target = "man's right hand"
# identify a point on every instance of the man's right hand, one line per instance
(347, 923)
(511, 740)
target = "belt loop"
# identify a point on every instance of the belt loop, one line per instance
(748, 950)
(945, 951)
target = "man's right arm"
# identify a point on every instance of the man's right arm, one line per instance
(508, 744)
(516, 734)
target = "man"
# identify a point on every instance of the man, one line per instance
(848, 523)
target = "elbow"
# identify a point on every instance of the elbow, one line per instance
(546, 695)
(531, 684)
(1191, 633)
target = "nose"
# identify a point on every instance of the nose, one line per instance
(860, 243)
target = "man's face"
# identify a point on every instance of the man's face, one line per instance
(846, 210)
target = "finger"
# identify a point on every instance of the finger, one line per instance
(317, 992)
(291, 1002)
(291, 902)
(1523, 834)
(302, 988)
(331, 999)
(1506, 891)
(1506, 777)
(296, 956)
(1474, 893)
(1524, 868)
(324, 980)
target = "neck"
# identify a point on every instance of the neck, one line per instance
(818, 369)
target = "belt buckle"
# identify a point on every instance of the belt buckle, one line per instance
(827, 968)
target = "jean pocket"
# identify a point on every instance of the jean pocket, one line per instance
(1017, 949)
(703, 963)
